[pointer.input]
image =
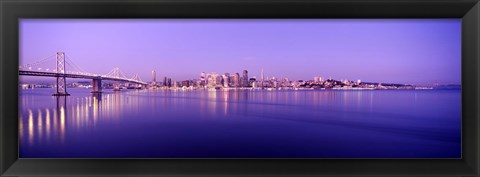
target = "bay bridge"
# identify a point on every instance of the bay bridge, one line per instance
(42, 68)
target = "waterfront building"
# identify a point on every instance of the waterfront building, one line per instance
(185, 83)
(208, 79)
(203, 79)
(198, 83)
(218, 81)
(226, 80)
(261, 78)
(245, 79)
(251, 81)
(236, 80)
(154, 77)
(211, 80)
(242, 82)
(230, 81)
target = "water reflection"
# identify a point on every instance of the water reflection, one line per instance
(62, 123)
(47, 123)
(150, 117)
(63, 114)
(30, 127)
(78, 113)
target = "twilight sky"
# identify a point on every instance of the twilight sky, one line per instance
(410, 51)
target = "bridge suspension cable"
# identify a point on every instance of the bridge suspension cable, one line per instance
(73, 65)
(116, 73)
(122, 75)
(47, 67)
(37, 63)
(137, 78)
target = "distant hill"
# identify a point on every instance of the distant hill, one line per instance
(448, 87)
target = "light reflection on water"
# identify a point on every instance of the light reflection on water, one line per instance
(159, 123)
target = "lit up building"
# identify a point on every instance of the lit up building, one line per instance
(226, 79)
(203, 77)
(262, 79)
(236, 80)
(218, 81)
(245, 79)
(169, 82)
(251, 81)
(211, 80)
(185, 83)
(154, 77)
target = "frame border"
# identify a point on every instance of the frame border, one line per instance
(12, 10)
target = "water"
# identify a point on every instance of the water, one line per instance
(241, 124)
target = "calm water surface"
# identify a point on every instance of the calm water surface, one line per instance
(240, 124)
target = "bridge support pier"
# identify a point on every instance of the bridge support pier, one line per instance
(97, 86)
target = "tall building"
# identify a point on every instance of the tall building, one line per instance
(251, 81)
(169, 82)
(173, 83)
(245, 79)
(226, 79)
(203, 79)
(262, 79)
(318, 79)
(236, 80)
(218, 81)
(230, 80)
(262, 76)
(211, 80)
(154, 77)
(165, 81)
(242, 84)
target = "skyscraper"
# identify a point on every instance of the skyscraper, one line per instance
(262, 75)
(203, 79)
(218, 81)
(241, 81)
(154, 77)
(251, 81)
(236, 80)
(261, 79)
(245, 79)
(226, 79)
(211, 80)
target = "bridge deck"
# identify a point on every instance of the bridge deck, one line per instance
(68, 75)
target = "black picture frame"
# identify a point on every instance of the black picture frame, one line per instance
(12, 10)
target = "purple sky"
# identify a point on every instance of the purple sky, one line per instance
(412, 51)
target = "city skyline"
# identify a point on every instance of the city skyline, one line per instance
(408, 51)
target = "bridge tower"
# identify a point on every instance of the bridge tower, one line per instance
(61, 79)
